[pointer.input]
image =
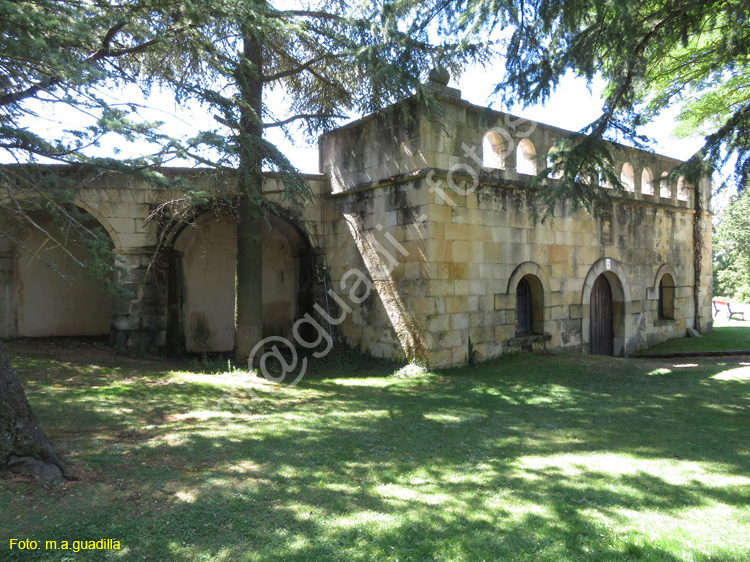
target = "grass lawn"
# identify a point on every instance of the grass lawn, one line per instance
(528, 458)
(727, 335)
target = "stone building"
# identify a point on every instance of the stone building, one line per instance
(421, 234)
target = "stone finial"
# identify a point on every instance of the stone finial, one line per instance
(439, 75)
(437, 81)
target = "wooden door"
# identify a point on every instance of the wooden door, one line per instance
(523, 307)
(601, 337)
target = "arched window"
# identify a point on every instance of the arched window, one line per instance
(493, 151)
(627, 176)
(666, 297)
(665, 188)
(523, 307)
(682, 191)
(526, 157)
(647, 182)
(529, 305)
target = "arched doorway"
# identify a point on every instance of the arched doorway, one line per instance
(44, 291)
(601, 337)
(207, 252)
(529, 305)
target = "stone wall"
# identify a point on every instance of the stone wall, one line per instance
(192, 278)
(445, 234)
(423, 226)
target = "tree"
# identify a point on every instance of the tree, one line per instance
(226, 54)
(327, 60)
(651, 55)
(732, 250)
(55, 54)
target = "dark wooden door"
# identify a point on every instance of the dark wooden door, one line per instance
(601, 337)
(523, 307)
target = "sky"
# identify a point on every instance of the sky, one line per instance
(571, 107)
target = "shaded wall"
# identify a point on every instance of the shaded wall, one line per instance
(208, 253)
(36, 301)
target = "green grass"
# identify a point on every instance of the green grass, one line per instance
(731, 335)
(529, 458)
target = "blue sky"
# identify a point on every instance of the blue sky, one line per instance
(571, 107)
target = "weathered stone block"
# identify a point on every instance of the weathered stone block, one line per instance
(460, 321)
(456, 304)
(504, 332)
(438, 323)
(424, 305)
(458, 270)
(577, 311)
(633, 307)
(461, 287)
(559, 254)
(452, 338)
(441, 358)
(504, 301)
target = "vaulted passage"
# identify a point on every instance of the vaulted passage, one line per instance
(602, 318)
(43, 292)
(206, 285)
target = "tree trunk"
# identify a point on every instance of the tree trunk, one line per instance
(24, 447)
(249, 291)
(249, 313)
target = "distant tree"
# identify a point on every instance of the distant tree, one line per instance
(650, 54)
(732, 250)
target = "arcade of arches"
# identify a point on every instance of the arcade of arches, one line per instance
(425, 239)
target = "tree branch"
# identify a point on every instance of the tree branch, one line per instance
(303, 116)
(612, 106)
(290, 72)
(104, 52)
(307, 14)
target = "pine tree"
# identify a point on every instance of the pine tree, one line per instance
(55, 54)
(327, 60)
(650, 54)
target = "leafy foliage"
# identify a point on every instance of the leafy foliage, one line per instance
(732, 250)
(650, 54)
(57, 62)
(320, 64)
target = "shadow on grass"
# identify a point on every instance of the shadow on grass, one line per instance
(508, 461)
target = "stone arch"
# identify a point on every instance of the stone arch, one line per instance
(526, 157)
(647, 181)
(665, 186)
(94, 212)
(44, 291)
(627, 176)
(606, 265)
(663, 270)
(665, 308)
(618, 281)
(665, 277)
(524, 269)
(538, 284)
(493, 150)
(206, 251)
